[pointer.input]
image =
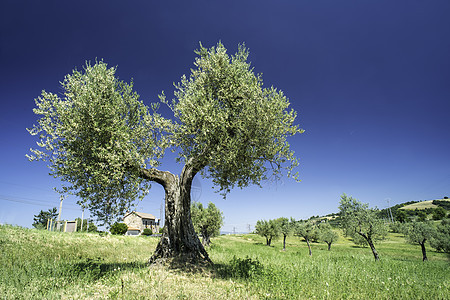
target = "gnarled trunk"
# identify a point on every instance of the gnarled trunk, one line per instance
(179, 240)
(329, 246)
(284, 242)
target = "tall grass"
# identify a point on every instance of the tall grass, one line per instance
(50, 265)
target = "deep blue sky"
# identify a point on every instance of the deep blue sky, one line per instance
(370, 81)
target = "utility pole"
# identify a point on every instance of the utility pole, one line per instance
(248, 228)
(390, 212)
(58, 225)
(82, 216)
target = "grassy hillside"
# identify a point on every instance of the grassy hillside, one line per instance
(49, 265)
(423, 205)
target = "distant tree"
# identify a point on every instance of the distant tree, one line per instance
(397, 227)
(419, 233)
(107, 145)
(307, 230)
(327, 234)
(445, 204)
(118, 228)
(421, 216)
(207, 221)
(401, 216)
(357, 219)
(285, 226)
(40, 220)
(268, 229)
(441, 239)
(439, 213)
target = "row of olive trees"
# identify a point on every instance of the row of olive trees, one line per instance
(362, 224)
(310, 231)
(365, 226)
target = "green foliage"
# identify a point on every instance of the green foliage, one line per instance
(147, 231)
(401, 216)
(89, 227)
(268, 229)
(118, 228)
(229, 123)
(441, 238)
(358, 219)
(398, 227)
(419, 232)
(207, 221)
(445, 204)
(96, 138)
(285, 225)
(421, 216)
(439, 213)
(307, 230)
(327, 234)
(40, 220)
(102, 141)
(244, 267)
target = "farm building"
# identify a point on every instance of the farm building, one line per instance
(137, 222)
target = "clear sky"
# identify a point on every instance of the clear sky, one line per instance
(370, 81)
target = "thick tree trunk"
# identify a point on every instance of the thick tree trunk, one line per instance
(329, 246)
(309, 247)
(424, 251)
(284, 242)
(179, 240)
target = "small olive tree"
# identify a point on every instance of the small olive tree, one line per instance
(419, 233)
(285, 226)
(268, 229)
(207, 221)
(327, 234)
(307, 230)
(358, 220)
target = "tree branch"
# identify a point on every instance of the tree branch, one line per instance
(161, 177)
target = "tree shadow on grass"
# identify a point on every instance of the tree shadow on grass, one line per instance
(97, 268)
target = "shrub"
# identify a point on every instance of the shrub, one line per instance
(119, 228)
(245, 268)
(147, 231)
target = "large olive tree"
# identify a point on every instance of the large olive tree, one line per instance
(101, 140)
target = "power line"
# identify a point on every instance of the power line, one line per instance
(31, 201)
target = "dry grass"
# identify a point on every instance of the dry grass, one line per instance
(422, 205)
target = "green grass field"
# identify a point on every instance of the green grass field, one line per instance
(49, 265)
